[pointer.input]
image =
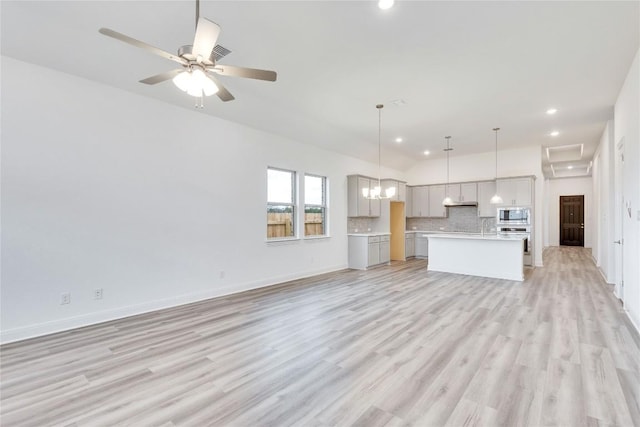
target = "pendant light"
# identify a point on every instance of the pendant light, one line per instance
(496, 199)
(375, 193)
(447, 200)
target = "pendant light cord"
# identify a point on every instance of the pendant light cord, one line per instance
(448, 138)
(496, 131)
(379, 107)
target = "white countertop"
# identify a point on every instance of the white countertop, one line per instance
(478, 236)
(369, 234)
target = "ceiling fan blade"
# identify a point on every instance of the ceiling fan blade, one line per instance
(222, 93)
(249, 73)
(142, 45)
(158, 78)
(205, 39)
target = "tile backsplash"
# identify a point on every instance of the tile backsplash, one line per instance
(361, 224)
(461, 218)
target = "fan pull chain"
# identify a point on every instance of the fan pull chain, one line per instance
(200, 105)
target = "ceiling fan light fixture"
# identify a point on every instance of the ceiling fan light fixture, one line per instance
(195, 83)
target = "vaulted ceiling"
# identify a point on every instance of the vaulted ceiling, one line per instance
(440, 68)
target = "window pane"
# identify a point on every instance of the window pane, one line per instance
(314, 221)
(280, 221)
(313, 190)
(279, 186)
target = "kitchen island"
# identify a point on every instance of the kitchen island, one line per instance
(494, 256)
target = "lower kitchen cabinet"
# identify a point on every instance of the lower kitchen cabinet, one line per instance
(366, 251)
(373, 253)
(385, 249)
(422, 246)
(409, 245)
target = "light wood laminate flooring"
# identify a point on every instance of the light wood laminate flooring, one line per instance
(392, 346)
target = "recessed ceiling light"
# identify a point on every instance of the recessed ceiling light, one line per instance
(398, 140)
(385, 4)
(569, 167)
(551, 111)
(554, 133)
(427, 152)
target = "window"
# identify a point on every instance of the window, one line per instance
(281, 208)
(315, 205)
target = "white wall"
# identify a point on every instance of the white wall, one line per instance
(102, 188)
(627, 128)
(476, 167)
(603, 205)
(569, 187)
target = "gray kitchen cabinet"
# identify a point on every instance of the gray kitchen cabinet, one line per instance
(402, 192)
(401, 189)
(409, 245)
(420, 202)
(453, 191)
(385, 250)
(422, 246)
(408, 205)
(373, 254)
(465, 192)
(469, 192)
(515, 191)
(486, 191)
(357, 204)
(366, 250)
(436, 196)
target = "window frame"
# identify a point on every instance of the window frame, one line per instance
(293, 204)
(323, 206)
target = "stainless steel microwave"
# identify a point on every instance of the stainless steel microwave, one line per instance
(513, 215)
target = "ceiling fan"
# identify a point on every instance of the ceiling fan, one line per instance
(199, 62)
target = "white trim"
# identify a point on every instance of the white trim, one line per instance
(282, 240)
(631, 320)
(322, 237)
(40, 329)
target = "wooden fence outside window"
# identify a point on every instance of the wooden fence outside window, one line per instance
(280, 224)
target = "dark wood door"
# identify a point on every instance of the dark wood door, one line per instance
(572, 220)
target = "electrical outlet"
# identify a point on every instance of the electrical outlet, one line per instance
(97, 293)
(65, 298)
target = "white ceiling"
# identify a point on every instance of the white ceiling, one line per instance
(461, 67)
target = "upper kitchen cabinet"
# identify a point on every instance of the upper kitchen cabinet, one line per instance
(358, 204)
(401, 189)
(486, 190)
(516, 191)
(408, 205)
(465, 192)
(419, 202)
(469, 192)
(436, 196)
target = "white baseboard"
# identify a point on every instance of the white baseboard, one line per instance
(635, 325)
(60, 325)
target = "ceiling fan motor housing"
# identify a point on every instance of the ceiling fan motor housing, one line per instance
(186, 52)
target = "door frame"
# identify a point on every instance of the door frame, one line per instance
(618, 240)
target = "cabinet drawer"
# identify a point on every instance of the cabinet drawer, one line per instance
(385, 238)
(374, 239)
(409, 236)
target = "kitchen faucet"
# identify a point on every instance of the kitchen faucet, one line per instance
(484, 222)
